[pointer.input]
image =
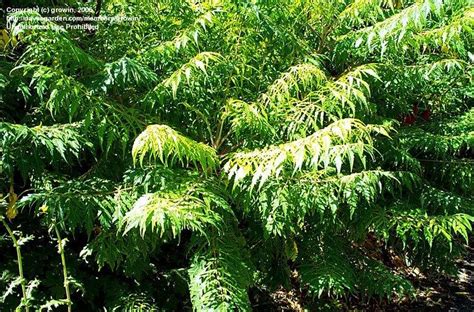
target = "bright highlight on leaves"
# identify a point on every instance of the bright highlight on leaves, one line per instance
(162, 143)
(343, 140)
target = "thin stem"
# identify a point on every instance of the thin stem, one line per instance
(219, 140)
(466, 161)
(204, 118)
(98, 6)
(20, 263)
(65, 276)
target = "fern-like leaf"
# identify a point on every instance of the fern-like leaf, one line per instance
(191, 205)
(342, 140)
(163, 143)
(220, 275)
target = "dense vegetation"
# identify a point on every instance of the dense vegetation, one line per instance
(215, 150)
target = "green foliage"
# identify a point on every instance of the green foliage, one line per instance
(74, 204)
(338, 269)
(327, 270)
(212, 147)
(126, 73)
(414, 224)
(167, 145)
(211, 285)
(380, 281)
(186, 204)
(40, 146)
(342, 140)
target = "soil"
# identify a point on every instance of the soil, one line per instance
(444, 294)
